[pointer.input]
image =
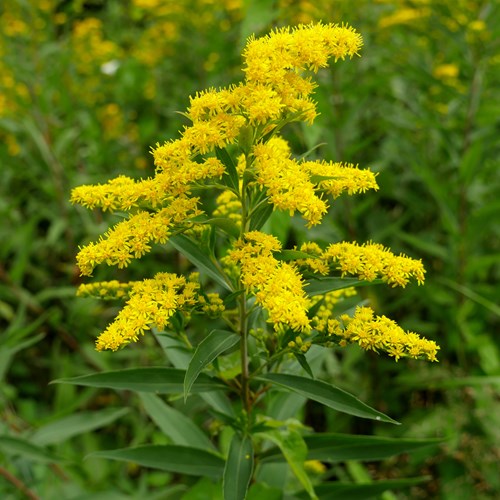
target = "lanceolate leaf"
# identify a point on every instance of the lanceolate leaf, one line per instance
(172, 458)
(319, 286)
(191, 250)
(260, 216)
(13, 446)
(350, 491)
(294, 449)
(67, 427)
(216, 343)
(341, 447)
(173, 423)
(285, 255)
(239, 468)
(230, 178)
(161, 380)
(327, 394)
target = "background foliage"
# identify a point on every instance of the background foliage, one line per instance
(87, 87)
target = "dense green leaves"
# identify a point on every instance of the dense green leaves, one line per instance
(326, 394)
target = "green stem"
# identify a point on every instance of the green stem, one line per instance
(245, 376)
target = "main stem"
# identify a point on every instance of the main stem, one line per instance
(245, 390)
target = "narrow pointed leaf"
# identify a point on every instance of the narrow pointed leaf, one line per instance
(260, 216)
(216, 343)
(303, 362)
(320, 286)
(14, 446)
(239, 468)
(192, 252)
(286, 255)
(326, 394)
(161, 380)
(179, 428)
(230, 178)
(331, 447)
(341, 447)
(294, 450)
(172, 458)
(67, 427)
(348, 491)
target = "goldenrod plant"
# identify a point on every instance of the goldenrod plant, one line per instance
(272, 310)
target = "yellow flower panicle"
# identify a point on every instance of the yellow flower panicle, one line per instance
(277, 286)
(288, 185)
(344, 177)
(379, 333)
(276, 61)
(297, 186)
(368, 261)
(152, 302)
(130, 239)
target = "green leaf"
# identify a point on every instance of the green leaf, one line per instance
(331, 447)
(227, 225)
(172, 458)
(348, 491)
(286, 255)
(260, 216)
(208, 349)
(303, 362)
(161, 380)
(190, 249)
(239, 468)
(179, 428)
(261, 491)
(294, 450)
(67, 427)
(13, 446)
(326, 394)
(230, 178)
(319, 286)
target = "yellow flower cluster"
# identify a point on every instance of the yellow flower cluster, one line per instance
(211, 304)
(277, 286)
(294, 186)
(106, 290)
(152, 302)
(368, 261)
(131, 238)
(229, 206)
(92, 47)
(276, 61)
(273, 89)
(325, 316)
(379, 333)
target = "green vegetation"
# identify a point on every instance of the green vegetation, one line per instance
(87, 88)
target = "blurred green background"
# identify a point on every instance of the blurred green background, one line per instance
(87, 87)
